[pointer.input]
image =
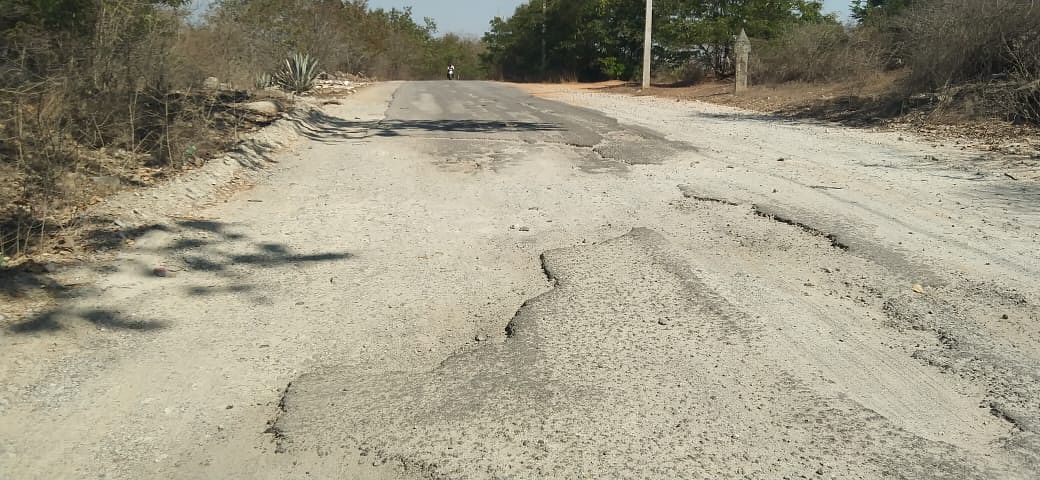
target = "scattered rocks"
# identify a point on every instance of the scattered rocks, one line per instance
(161, 272)
(918, 288)
(107, 181)
(264, 107)
(211, 83)
(481, 338)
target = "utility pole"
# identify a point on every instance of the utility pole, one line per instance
(648, 42)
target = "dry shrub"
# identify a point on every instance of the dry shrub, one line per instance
(817, 53)
(959, 41)
(85, 105)
(995, 43)
(689, 73)
(243, 39)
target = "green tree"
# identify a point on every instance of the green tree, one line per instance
(585, 39)
(594, 39)
(864, 10)
(451, 49)
(703, 30)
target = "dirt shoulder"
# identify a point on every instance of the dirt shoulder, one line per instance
(864, 104)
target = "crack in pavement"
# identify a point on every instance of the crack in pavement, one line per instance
(773, 214)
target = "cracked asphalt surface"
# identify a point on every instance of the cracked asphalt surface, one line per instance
(459, 280)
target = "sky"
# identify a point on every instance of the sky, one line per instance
(471, 17)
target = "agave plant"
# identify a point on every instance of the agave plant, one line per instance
(298, 73)
(263, 81)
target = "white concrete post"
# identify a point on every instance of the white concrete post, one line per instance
(742, 52)
(648, 42)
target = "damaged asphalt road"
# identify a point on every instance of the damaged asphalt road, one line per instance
(458, 280)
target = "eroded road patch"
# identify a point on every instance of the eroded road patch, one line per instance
(631, 367)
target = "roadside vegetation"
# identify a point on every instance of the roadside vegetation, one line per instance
(97, 95)
(954, 59)
(965, 59)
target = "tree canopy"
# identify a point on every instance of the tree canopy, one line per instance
(865, 10)
(596, 39)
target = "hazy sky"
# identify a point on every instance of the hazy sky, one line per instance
(472, 16)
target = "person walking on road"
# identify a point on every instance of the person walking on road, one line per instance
(451, 72)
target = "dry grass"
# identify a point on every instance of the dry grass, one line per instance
(980, 54)
(817, 53)
(961, 60)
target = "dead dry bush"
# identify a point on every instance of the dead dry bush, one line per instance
(241, 40)
(986, 52)
(84, 107)
(689, 73)
(817, 53)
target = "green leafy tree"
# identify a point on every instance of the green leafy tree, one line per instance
(452, 49)
(594, 39)
(703, 30)
(584, 39)
(865, 10)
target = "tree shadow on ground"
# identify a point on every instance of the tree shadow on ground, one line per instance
(848, 110)
(857, 112)
(201, 250)
(56, 319)
(103, 234)
(196, 247)
(325, 128)
(853, 111)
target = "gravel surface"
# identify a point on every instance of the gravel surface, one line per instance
(457, 280)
